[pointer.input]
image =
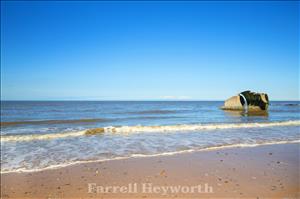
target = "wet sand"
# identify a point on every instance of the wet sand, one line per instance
(269, 171)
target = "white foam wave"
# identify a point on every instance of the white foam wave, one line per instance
(11, 138)
(194, 127)
(150, 129)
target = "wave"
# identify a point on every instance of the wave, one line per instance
(40, 122)
(292, 104)
(194, 127)
(210, 148)
(145, 129)
(287, 104)
(96, 120)
(16, 138)
(154, 112)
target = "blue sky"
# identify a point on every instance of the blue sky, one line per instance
(148, 50)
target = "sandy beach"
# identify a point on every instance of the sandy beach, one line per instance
(268, 171)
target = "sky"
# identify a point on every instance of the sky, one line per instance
(149, 50)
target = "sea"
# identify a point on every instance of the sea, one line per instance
(39, 135)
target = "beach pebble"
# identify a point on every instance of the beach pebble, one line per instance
(163, 172)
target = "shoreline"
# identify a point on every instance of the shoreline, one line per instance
(249, 172)
(213, 148)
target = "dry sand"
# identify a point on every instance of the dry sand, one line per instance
(270, 171)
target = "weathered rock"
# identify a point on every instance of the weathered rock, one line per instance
(248, 101)
(95, 131)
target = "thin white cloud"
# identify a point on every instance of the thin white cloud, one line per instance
(171, 97)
